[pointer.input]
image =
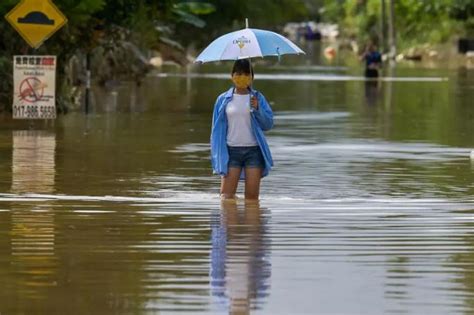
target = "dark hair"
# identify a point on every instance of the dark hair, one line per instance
(242, 66)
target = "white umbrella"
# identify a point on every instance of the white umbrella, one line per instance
(248, 43)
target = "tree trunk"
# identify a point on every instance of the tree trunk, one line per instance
(391, 31)
(383, 27)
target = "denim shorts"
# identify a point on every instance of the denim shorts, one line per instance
(246, 157)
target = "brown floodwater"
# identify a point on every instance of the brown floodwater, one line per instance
(369, 209)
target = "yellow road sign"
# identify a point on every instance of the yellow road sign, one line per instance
(36, 20)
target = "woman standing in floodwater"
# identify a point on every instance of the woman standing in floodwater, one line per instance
(239, 149)
(373, 61)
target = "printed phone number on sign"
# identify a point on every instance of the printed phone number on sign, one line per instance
(31, 111)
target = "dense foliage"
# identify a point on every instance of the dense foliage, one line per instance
(416, 21)
(114, 28)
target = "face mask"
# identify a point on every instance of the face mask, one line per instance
(241, 81)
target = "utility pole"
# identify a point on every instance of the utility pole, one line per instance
(391, 31)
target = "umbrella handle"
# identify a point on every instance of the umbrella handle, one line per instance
(251, 84)
(250, 101)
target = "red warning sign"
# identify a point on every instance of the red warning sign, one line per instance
(32, 90)
(34, 87)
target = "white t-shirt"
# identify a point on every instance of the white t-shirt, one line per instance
(239, 132)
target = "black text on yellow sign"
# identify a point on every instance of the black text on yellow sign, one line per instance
(36, 20)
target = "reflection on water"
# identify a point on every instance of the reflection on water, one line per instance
(302, 77)
(32, 226)
(240, 262)
(32, 250)
(372, 91)
(33, 162)
(371, 201)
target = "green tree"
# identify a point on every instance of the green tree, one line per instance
(230, 16)
(134, 21)
(430, 21)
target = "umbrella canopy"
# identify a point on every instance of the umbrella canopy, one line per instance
(248, 43)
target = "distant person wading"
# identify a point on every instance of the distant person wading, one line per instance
(239, 149)
(373, 61)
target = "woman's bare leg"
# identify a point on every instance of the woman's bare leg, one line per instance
(229, 183)
(253, 176)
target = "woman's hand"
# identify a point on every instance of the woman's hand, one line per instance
(254, 102)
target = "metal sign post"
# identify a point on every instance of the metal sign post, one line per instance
(35, 76)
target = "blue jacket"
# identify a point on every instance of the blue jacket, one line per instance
(261, 119)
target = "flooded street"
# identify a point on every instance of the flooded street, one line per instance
(369, 209)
